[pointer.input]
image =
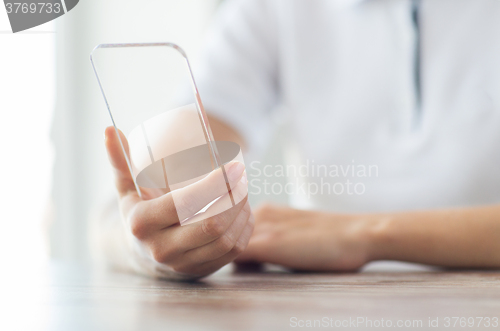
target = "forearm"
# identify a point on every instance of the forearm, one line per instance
(468, 238)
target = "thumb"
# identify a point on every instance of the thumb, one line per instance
(124, 182)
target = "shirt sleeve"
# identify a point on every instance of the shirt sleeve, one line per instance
(236, 73)
(113, 246)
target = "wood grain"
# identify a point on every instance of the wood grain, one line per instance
(75, 297)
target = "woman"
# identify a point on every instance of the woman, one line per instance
(408, 86)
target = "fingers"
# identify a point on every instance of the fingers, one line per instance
(150, 216)
(176, 241)
(124, 182)
(210, 229)
(203, 263)
(238, 193)
(192, 198)
(224, 244)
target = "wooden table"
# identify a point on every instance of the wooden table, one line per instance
(75, 297)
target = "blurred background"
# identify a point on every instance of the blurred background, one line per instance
(55, 166)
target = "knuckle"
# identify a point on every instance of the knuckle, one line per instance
(161, 254)
(213, 227)
(157, 253)
(138, 226)
(239, 247)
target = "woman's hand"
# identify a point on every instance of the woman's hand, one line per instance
(308, 240)
(197, 249)
(317, 241)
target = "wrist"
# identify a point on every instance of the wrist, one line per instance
(377, 237)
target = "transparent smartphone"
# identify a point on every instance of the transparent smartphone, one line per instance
(152, 98)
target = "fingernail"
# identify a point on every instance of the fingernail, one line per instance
(235, 170)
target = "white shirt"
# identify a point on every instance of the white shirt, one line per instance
(343, 74)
